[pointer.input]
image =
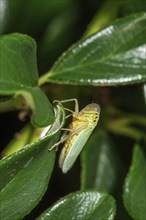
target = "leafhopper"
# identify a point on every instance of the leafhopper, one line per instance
(77, 134)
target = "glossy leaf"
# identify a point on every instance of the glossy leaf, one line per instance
(19, 75)
(135, 186)
(26, 173)
(82, 205)
(112, 56)
(100, 164)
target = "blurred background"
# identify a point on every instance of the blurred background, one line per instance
(56, 25)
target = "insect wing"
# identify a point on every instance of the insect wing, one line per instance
(76, 148)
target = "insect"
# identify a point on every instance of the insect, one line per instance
(78, 132)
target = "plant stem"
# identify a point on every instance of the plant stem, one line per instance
(43, 79)
(127, 131)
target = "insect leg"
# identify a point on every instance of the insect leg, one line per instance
(65, 129)
(69, 100)
(67, 109)
(63, 138)
(68, 116)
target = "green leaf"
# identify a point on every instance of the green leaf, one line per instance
(132, 6)
(26, 173)
(19, 141)
(134, 193)
(19, 75)
(112, 56)
(100, 165)
(82, 205)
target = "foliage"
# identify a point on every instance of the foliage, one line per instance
(106, 64)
